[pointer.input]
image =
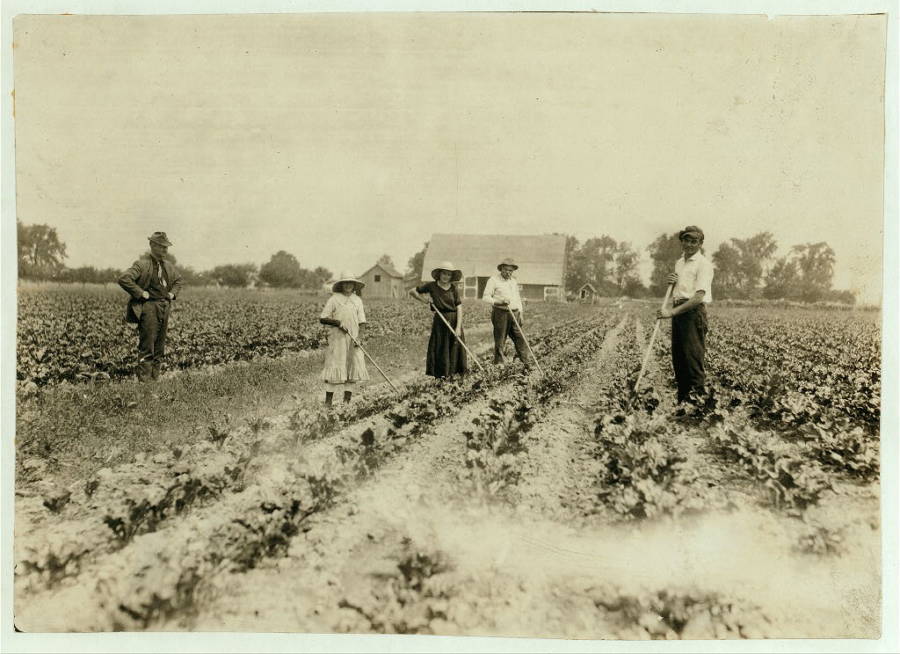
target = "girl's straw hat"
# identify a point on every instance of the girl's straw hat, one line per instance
(455, 274)
(346, 277)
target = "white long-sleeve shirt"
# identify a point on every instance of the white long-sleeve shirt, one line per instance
(694, 274)
(498, 289)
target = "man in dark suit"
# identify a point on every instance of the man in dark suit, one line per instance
(153, 283)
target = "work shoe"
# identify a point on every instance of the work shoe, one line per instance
(144, 371)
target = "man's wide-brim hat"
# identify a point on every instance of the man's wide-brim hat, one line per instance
(455, 274)
(507, 262)
(691, 230)
(346, 277)
(159, 238)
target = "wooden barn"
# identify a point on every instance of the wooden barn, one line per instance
(382, 281)
(541, 261)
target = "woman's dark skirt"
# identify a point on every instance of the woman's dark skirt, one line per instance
(445, 355)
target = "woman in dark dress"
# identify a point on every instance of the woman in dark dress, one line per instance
(445, 355)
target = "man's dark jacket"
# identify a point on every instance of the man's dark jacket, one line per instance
(136, 280)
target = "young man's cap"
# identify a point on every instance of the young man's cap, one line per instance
(691, 230)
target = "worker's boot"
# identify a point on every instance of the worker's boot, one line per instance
(144, 371)
(155, 370)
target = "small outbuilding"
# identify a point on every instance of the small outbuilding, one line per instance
(382, 280)
(587, 293)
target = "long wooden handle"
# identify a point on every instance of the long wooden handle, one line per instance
(359, 345)
(527, 344)
(459, 340)
(652, 339)
(452, 331)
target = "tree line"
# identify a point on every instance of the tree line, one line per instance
(41, 256)
(745, 268)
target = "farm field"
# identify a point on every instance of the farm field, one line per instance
(506, 504)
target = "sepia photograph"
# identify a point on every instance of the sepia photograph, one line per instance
(562, 325)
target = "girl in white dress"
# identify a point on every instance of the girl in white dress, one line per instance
(345, 363)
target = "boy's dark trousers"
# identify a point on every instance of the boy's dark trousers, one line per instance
(152, 338)
(688, 350)
(503, 327)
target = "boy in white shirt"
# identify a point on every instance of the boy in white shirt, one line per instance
(692, 292)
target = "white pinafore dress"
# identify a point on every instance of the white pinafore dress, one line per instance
(344, 363)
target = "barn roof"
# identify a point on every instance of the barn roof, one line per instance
(390, 270)
(541, 259)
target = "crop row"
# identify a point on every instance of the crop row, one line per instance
(112, 507)
(821, 399)
(352, 456)
(68, 335)
(496, 438)
(796, 371)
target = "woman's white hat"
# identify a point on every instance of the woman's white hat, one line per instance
(455, 274)
(346, 277)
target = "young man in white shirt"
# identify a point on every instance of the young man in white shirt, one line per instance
(502, 292)
(692, 291)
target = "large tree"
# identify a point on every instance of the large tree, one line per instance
(414, 266)
(234, 275)
(741, 264)
(572, 272)
(815, 264)
(609, 266)
(282, 270)
(804, 274)
(321, 275)
(625, 264)
(664, 251)
(40, 252)
(782, 280)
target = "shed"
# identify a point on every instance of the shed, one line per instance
(587, 292)
(382, 280)
(541, 260)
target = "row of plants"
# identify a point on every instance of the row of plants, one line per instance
(358, 453)
(797, 369)
(65, 334)
(355, 455)
(110, 508)
(72, 335)
(497, 437)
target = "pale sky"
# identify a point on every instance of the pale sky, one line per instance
(341, 137)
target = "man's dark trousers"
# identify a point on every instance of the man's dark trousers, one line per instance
(503, 327)
(152, 344)
(688, 351)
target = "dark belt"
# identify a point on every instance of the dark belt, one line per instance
(447, 310)
(680, 301)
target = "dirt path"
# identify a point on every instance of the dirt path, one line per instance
(560, 471)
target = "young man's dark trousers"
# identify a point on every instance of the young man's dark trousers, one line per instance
(688, 351)
(503, 327)
(152, 338)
